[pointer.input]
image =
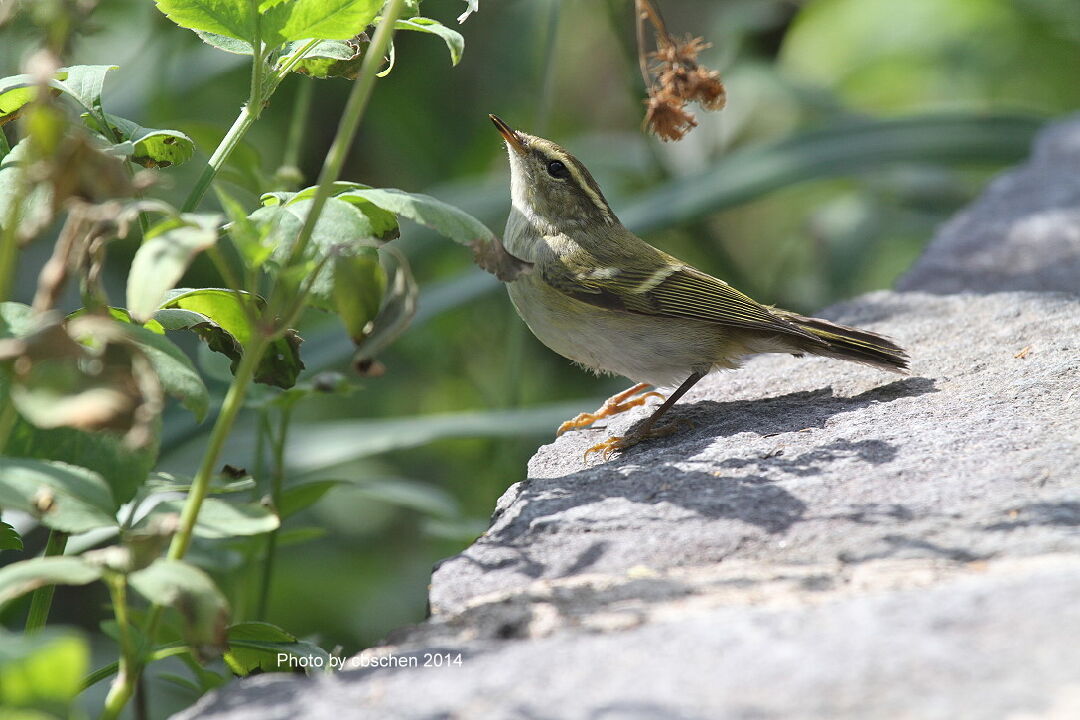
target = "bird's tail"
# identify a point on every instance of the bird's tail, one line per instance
(847, 343)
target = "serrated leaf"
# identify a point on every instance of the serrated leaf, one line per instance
(9, 538)
(256, 646)
(221, 519)
(231, 18)
(175, 583)
(160, 262)
(25, 576)
(63, 497)
(318, 19)
(455, 43)
(224, 42)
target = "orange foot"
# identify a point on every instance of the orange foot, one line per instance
(616, 444)
(613, 406)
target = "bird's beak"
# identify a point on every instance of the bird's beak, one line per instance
(510, 135)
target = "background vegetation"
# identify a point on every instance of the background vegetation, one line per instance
(853, 128)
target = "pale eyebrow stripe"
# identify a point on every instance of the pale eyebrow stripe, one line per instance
(582, 183)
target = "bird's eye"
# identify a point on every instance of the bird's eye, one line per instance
(557, 170)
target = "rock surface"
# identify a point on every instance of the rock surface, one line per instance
(827, 541)
(1022, 234)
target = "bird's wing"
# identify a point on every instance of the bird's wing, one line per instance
(675, 291)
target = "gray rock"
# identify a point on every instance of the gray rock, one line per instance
(1023, 233)
(828, 541)
(825, 541)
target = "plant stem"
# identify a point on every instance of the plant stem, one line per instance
(127, 677)
(41, 600)
(112, 668)
(294, 142)
(230, 407)
(277, 479)
(232, 138)
(350, 122)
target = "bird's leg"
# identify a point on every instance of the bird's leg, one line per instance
(612, 406)
(615, 444)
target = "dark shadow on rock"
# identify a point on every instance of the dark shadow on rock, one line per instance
(646, 476)
(1061, 514)
(902, 546)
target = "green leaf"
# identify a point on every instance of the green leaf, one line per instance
(105, 453)
(444, 219)
(359, 285)
(174, 369)
(329, 58)
(15, 92)
(16, 320)
(217, 316)
(175, 583)
(256, 645)
(63, 497)
(9, 538)
(299, 535)
(455, 43)
(280, 21)
(25, 576)
(397, 311)
(149, 147)
(345, 227)
(298, 497)
(160, 262)
(231, 18)
(223, 42)
(36, 199)
(221, 519)
(289, 20)
(42, 671)
(83, 83)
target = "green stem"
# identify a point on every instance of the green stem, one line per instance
(232, 138)
(294, 142)
(277, 484)
(8, 418)
(350, 122)
(112, 668)
(230, 407)
(128, 676)
(9, 239)
(41, 600)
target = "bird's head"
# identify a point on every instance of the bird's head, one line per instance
(551, 185)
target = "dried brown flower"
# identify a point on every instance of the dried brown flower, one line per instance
(666, 117)
(704, 86)
(674, 78)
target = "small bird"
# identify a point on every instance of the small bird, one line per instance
(606, 299)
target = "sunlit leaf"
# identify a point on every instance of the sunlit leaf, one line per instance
(318, 19)
(455, 43)
(231, 18)
(217, 316)
(160, 262)
(25, 576)
(61, 496)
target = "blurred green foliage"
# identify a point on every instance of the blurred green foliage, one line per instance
(795, 72)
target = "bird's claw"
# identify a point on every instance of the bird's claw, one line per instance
(615, 444)
(614, 405)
